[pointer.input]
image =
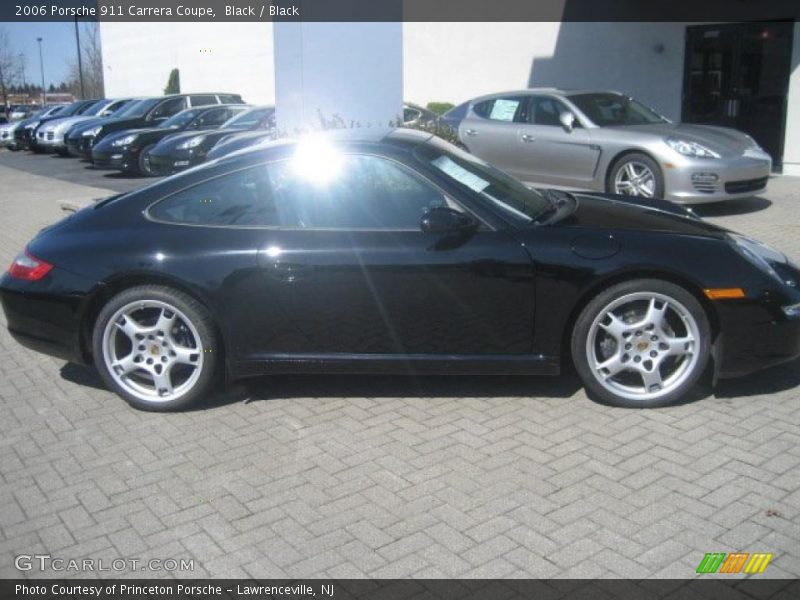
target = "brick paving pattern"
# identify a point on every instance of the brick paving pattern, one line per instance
(396, 477)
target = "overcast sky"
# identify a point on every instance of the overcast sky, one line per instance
(58, 49)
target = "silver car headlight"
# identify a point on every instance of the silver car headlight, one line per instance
(124, 141)
(192, 143)
(93, 131)
(762, 256)
(688, 148)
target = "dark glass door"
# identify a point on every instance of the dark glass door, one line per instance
(737, 75)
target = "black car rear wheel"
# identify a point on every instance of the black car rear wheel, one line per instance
(156, 347)
(641, 343)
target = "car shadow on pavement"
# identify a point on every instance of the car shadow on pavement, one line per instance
(278, 387)
(729, 208)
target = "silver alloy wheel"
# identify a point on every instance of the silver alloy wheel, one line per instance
(152, 350)
(643, 345)
(635, 179)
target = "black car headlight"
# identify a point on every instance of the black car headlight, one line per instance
(767, 259)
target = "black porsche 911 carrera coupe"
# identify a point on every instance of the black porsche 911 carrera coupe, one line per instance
(395, 252)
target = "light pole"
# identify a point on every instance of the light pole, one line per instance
(80, 64)
(22, 68)
(41, 66)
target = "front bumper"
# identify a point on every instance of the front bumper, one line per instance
(164, 164)
(50, 140)
(757, 333)
(702, 180)
(121, 159)
(81, 147)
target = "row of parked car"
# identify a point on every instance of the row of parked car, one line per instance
(584, 139)
(153, 135)
(146, 136)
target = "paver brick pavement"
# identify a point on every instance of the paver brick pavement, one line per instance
(395, 477)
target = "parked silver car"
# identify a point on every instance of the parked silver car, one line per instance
(606, 141)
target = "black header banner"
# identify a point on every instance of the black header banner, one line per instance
(399, 10)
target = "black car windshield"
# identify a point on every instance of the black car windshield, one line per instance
(250, 119)
(182, 119)
(137, 108)
(71, 109)
(96, 108)
(502, 190)
(611, 110)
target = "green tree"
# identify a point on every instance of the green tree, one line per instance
(173, 83)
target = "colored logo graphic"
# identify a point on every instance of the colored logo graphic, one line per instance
(736, 562)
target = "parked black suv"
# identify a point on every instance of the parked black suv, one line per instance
(146, 112)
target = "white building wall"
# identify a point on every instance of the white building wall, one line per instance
(452, 62)
(791, 150)
(232, 57)
(351, 72)
(446, 62)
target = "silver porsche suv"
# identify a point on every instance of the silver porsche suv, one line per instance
(606, 141)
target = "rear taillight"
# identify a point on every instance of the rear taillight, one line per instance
(28, 267)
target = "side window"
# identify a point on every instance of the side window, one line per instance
(203, 99)
(241, 198)
(212, 118)
(114, 107)
(459, 112)
(168, 108)
(500, 109)
(230, 99)
(544, 110)
(367, 192)
(410, 114)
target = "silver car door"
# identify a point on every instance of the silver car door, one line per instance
(489, 131)
(552, 152)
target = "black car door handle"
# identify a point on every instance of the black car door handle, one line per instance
(289, 272)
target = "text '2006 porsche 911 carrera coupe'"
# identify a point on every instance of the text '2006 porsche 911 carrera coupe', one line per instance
(395, 252)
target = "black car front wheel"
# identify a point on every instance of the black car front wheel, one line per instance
(641, 343)
(156, 347)
(143, 164)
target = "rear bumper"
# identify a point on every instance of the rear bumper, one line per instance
(44, 316)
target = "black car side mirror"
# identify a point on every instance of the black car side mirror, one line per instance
(443, 219)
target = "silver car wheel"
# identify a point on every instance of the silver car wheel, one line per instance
(635, 179)
(152, 350)
(641, 346)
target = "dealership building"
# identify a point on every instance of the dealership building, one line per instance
(740, 75)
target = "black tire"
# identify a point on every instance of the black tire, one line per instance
(200, 319)
(636, 157)
(143, 162)
(592, 311)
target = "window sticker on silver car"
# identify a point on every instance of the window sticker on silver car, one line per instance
(504, 110)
